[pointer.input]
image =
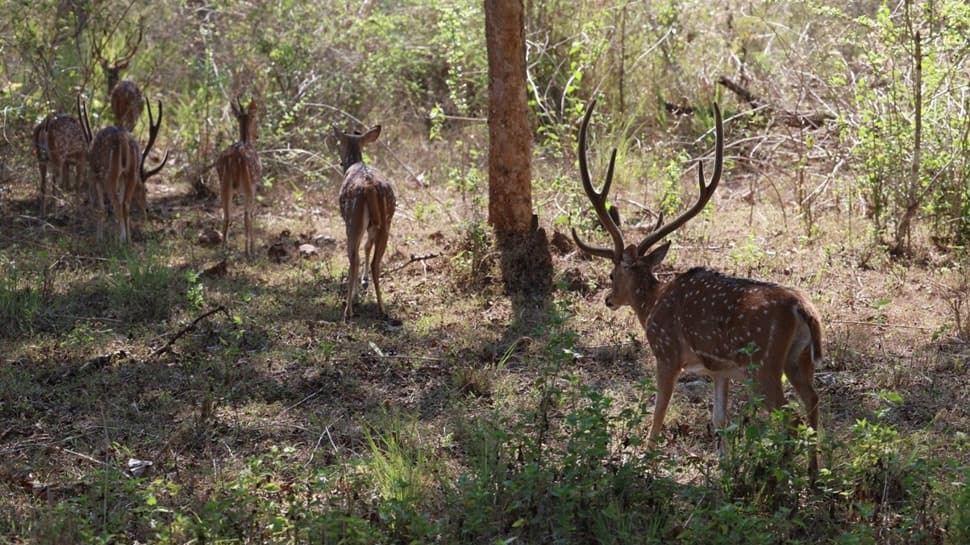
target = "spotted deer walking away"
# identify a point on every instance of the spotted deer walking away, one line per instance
(59, 143)
(118, 169)
(705, 322)
(239, 169)
(127, 103)
(367, 206)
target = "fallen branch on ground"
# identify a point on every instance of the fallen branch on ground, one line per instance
(168, 346)
(414, 259)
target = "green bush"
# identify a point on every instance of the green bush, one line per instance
(959, 525)
(898, 185)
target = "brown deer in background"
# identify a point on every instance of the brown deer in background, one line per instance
(59, 143)
(705, 322)
(367, 206)
(118, 169)
(239, 170)
(127, 103)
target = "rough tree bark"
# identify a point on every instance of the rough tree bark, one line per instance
(526, 263)
(509, 134)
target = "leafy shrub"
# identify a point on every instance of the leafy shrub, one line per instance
(905, 171)
(959, 526)
(558, 473)
(768, 457)
(728, 524)
(474, 259)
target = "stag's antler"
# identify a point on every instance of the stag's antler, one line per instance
(706, 191)
(82, 117)
(153, 127)
(598, 199)
(122, 63)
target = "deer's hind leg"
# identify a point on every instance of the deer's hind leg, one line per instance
(225, 195)
(380, 245)
(355, 232)
(249, 191)
(42, 165)
(373, 232)
(776, 350)
(800, 370)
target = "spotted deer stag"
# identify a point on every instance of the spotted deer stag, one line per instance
(705, 322)
(127, 101)
(59, 144)
(118, 169)
(367, 206)
(112, 68)
(239, 170)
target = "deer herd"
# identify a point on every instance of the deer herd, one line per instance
(700, 321)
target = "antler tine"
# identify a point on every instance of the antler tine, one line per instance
(236, 106)
(82, 114)
(706, 191)
(153, 126)
(98, 49)
(598, 198)
(131, 53)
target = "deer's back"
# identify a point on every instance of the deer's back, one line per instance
(721, 318)
(360, 182)
(239, 158)
(109, 142)
(61, 138)
(127, 103)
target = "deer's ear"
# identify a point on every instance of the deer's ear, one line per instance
(630, 256)
(656, 257)
(371, 135)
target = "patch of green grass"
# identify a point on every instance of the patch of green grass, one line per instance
(141, 284)
(20, 302)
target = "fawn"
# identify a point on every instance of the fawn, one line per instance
(367, 206)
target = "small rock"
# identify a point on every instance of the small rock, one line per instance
(210, 237)
(137, 467)
(307, 250)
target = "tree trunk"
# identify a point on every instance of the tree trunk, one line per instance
(526, 263)
(509, 134)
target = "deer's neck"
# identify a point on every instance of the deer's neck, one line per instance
(353, 157)
(112, 78)
(647, 300)
(244, 133)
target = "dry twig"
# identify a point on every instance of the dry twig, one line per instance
(168, 346)
(414, 259)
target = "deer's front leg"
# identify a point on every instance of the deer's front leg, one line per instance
(668, 369)
(722, 386)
